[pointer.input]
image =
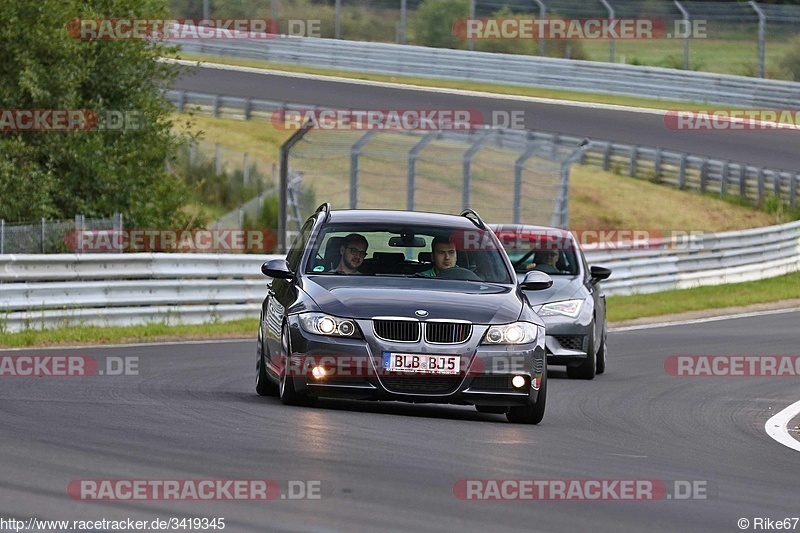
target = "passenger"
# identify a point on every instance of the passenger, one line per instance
(353, 251)
(545, 261)
(443, 254)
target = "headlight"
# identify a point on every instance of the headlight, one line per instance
(514, 333)
(570, 308)
(322, 324)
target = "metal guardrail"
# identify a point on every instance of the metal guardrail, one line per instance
(43, 291)
(681, 170)
(529, 71)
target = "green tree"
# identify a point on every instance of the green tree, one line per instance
(434, 21)
(58, 174)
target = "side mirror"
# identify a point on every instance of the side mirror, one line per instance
(599, 273)
(536, 281)
(277, 268)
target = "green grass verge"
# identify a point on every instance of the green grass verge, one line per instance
(701, 298)
(153, 332)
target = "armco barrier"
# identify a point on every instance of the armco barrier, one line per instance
(511, 69)
(43, 291)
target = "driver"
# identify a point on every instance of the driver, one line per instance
(443, 253)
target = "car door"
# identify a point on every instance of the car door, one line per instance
(281, 295)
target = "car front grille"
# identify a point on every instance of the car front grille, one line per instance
(502, 382)
(570, 342)
(399, 330)
(447, 332)
(421, 384)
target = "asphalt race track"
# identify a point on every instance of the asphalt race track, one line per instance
(191, 413)
(772, 149)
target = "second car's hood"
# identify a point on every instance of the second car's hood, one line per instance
(564, 288)
(368, 296)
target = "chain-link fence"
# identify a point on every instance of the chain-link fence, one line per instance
(505, 175)
(746, 38)
(50, 236)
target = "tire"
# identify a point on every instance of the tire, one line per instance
(530, 414)
(264, 386)
(286, 390)
(601, 355)
(587, 369)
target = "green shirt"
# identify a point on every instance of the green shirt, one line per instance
(431, 272)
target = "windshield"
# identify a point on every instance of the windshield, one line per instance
(550, 253)
(411, 251)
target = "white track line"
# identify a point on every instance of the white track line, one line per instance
(702, 320)
(776, 426)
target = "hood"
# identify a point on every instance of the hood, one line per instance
(365, 297)
(564, 288)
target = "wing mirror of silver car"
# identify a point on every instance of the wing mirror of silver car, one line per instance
(277, 268)
(536, 281)
(599, 273)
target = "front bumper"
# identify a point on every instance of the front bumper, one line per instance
(354, 369)
(568, 339)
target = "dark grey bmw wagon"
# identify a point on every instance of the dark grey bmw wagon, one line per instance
(403, 306)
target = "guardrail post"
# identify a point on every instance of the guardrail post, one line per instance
(657, 163)
(776, 184)
(742, 181)
(355, 152)
(682, 172)
(412, 167)
(634, 155)
(792, 189)
(42, 247)
(724, 183)
(607, 157)
(687, 32)
(762, 30)
(760, 184)
(2, 234)
(247, 105)
(216, 106)
(181, 101)
(703, 175)
(337, 32)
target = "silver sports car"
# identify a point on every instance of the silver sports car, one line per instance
(574, 308)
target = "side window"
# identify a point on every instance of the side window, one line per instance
(299, 244)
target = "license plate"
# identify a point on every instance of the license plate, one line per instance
(423, 363)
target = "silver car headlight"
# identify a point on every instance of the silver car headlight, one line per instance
(570, 308)
(322, 324)
(514, 333)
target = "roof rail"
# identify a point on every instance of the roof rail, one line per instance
(324, 207)
(474, 217)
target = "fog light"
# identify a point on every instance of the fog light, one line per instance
(518, 381)
(318, 372)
